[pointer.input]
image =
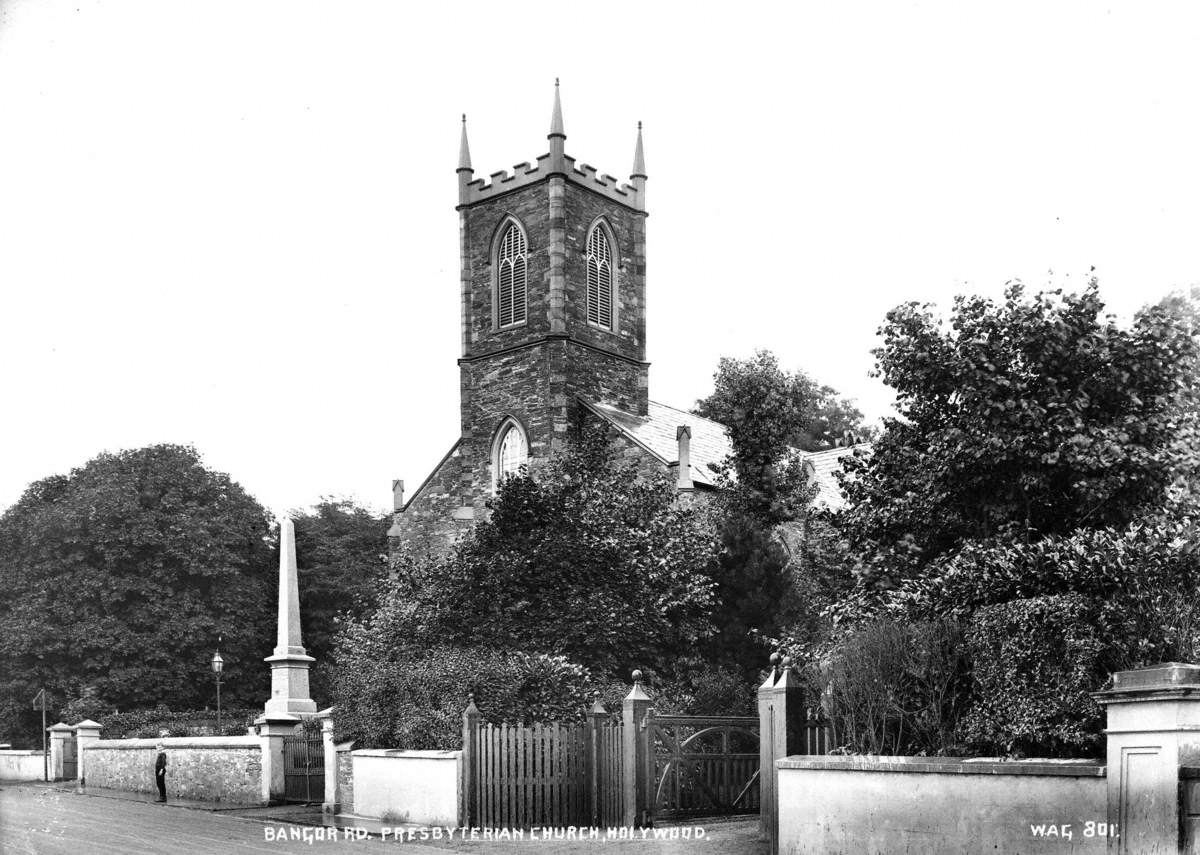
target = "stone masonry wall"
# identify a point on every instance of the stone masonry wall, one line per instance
(215, 769)
(531, 207)
(629, 279)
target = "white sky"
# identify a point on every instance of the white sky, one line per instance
(232, 223)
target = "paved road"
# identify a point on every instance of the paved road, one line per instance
(35, 820)
(43, 821)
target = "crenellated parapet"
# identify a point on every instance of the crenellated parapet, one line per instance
(554, 162)
(524, 174)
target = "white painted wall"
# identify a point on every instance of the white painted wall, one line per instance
(941, 807)
(21, 765)
(407, 786)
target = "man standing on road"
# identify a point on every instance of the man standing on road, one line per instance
(160, 771)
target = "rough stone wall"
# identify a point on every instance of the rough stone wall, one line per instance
(428, 522)
(524, 372)
(345, 781)
(215, 769)
(629, 228)
(531, 207)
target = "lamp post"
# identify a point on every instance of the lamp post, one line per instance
(217, 664)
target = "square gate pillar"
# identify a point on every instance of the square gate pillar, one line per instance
(1153, 729)
(637, 793)
(86, 733)
(271, 732)
(330, 805)
(781, 719)
(59, 735)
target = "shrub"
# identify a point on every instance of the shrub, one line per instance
(1035, 663)
(416, 697)
(147, 724)
(893, 688)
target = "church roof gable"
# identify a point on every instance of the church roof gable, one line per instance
(710, 446)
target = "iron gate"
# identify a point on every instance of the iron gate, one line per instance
(303, 768)
(701, 766)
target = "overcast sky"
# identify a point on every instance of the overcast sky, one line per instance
(232, 224)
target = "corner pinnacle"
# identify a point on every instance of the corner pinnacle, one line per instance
(556, 119)
(464, 151)
(639, 157)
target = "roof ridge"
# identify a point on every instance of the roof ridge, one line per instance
(690, 413)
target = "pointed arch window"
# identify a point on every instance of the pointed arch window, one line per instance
(512, 451)
(510, 283)
(599, 279)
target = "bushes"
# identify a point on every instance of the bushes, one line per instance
(893, 688)
(415, 698)
(1043, 624)
(1035, 663)
(147, 724)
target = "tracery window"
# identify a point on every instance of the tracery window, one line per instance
(512, 451)
(510, 281)
(599, 279)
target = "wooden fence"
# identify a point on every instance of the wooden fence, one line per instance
(542, 775)
(604, 772)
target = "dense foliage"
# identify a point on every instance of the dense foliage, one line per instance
(1020, 419)
(121, 576)
(341, 556)
(400, 685)
(1044, 624)
(591, 559)
(150, 723)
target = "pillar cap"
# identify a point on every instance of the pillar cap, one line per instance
(1168, 678)
(60, 728)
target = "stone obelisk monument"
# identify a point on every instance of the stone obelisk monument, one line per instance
(289, 663)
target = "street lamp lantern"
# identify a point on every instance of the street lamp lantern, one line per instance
(217, 665)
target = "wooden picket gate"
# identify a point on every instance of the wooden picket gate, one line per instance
(547, 775)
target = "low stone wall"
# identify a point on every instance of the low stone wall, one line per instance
(407, 786)
(22, 765)
(884, 805)
(206, 768)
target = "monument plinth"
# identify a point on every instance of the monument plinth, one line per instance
(289, 663)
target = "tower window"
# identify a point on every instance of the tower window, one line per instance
(599, 279)
(512, 451)
(510, 297)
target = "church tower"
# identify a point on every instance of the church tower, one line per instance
(553, 286)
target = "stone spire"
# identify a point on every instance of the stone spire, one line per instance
(464, 150)
(639, 156)
(289, 663)
(637, 178)
(465, 171)
(556, 120)
(557, 136)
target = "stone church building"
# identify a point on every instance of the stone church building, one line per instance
(553, 285)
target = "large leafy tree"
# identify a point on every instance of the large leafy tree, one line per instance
(778, 565)
(1019, 419)
(587, 558)
(770, 413)
(120, 577)
(341, 553)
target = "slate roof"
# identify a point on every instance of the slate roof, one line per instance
(823, 466)
(655, 432)
(710, 445)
